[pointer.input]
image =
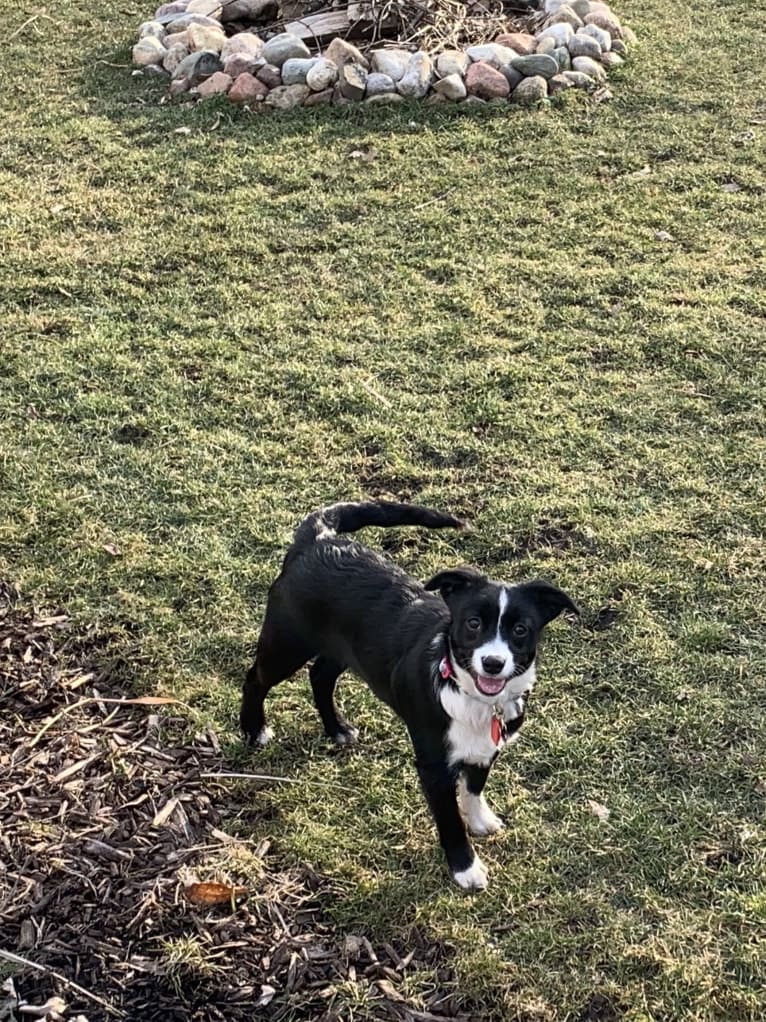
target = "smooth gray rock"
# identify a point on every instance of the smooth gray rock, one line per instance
(560, 33)
(546, 45)
(148, 50)
(237, 64)
(452, 62)
(611, 59)
(492, 53)
(579, 80)
(285, 97)
(513, 76)
(341, 52)
(563, 58)
(452, 87)
(559, 83)
(295, 70)
(530, 91)
(322, 75)
(353, 81)
(171, 9)
(319, 98)
(417, 79)
(392, 63)
(180, 22)
(242, 42)
(198, 66)
(269, 76)
(283, 47)
(606, 21)
(384, 98)
(601, 36)
(379, 84)
(210, 8)
(243, 10)
(152, 28)
(589, 67)
(175, 55)
(536, 64)
(584, 46)
(567, 15)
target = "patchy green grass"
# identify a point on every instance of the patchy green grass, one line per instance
(205, 335)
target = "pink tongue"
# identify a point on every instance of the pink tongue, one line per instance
(490, 686)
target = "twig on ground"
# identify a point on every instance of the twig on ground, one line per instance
(9, 956)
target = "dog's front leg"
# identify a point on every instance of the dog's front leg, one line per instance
(440, 786)
(477, 814)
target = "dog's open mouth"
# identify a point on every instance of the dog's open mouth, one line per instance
(489, 686)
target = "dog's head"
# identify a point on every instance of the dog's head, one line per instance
(495, 627)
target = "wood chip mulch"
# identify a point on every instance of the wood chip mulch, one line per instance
(122, 896)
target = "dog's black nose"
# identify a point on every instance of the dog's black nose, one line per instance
(492, 664)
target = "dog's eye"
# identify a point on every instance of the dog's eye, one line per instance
(520, 631)
(473, 623)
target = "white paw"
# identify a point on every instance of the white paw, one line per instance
(479, 818)
(484, 823)
(347, 737)
(264, 736)
(475, 878)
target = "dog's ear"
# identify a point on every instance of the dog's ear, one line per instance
(449, 583)
(549, 599)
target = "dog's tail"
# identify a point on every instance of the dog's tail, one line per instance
(339, 518)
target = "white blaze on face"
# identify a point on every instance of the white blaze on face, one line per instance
(496, 646)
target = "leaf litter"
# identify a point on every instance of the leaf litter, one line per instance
(122, 896)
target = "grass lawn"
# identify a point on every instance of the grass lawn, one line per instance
(206, 334)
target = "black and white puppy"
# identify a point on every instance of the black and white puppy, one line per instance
(456, 667)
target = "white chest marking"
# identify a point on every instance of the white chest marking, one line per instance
(469, 738)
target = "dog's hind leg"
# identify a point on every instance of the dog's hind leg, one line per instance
(323, 675)
(279, 654)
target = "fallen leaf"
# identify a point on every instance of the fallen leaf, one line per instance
(53, 1007)
(367, 155)
(603, 95)
(389, 990)
(267, 995)
(214, 894)
(182, 131)
(112, 549)
(598, 810)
